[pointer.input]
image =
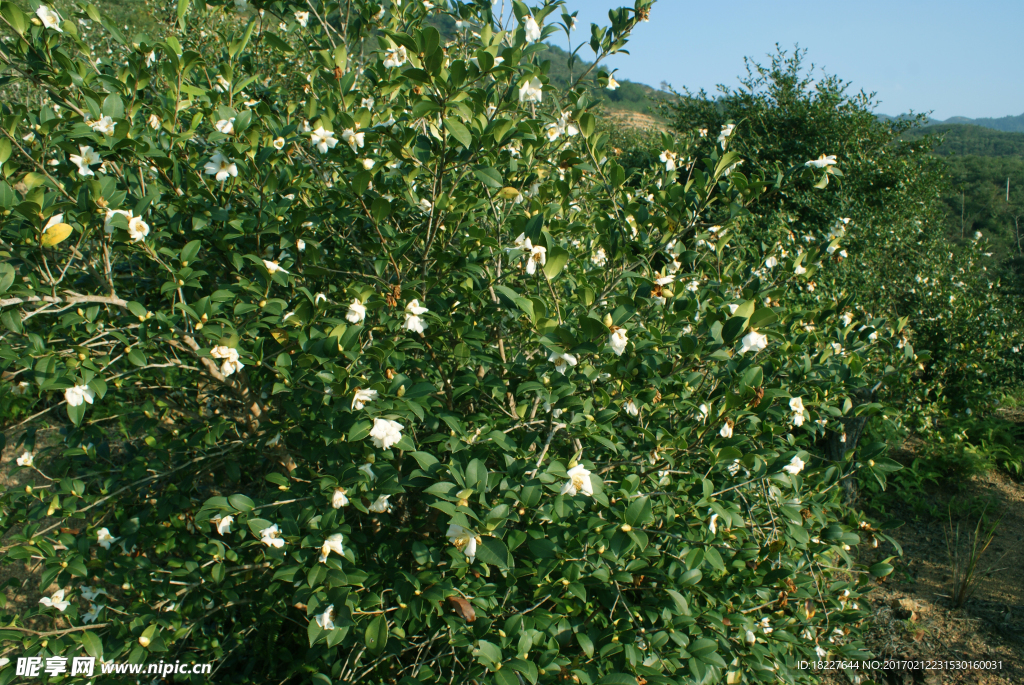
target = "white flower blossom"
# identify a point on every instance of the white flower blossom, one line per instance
(326, 619)
(57, 600)
(381, 505)
(229, 355)
(726, 132)
(712, 526)
(302, 18)
(771, 262)
(104, 539)
(352, 139)
(26, 459)
(356, 312)
(226, 126)
(79, 394)
(89, 594)
(413, 322)
(795, 466)
(726, 431)
(385, 433)
(669, 158)
(531, 90)
(562, 361)
(273, 267)
(339, 498)
(612, 83)
(617, 341)
(532, 29)
(395, 57)
(224, 524)
(753, 342)
(50, 19)
(331, 544)
(367, 468)
(271, 537)
(137, 229)
(104, 125)
(85, 160)
(538, 256)
(600, 257)
(463, 539)
(221, 167)
(822, 162)
(323, 139)
(632, 409)
(579, 482)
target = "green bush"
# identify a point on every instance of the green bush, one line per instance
(369, 366)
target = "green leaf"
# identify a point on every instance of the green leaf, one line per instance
(93, 645)
(113, 106)
(377, 634)
(489, 176)
(617, 679)
(359, 431)
(494, 552)
(880, 569)
(763, 317)
(556, 260)
(460, 133)
(733, 328)
(136, 357)
(183, 6)
(586, 644)
(241, 503)
(639, 511)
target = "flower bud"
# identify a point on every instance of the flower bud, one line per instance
(625, 528)
(607, 320)
(144, 641)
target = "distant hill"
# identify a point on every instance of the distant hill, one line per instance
(1009, 124)
(961, 139)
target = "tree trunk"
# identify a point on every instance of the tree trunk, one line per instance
(839, 442)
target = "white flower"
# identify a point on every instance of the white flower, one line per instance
(89, 594)
(381, 505)
(26, 459)
(821, 162)
(600, 257)
(796, 404)
(111, 213)
(771, 262)
(352, 139)
(104, 539)
(78, 394)
(612, 83)
(727, 130)
(302, 18)
(367, 103)
(318, 298)
(221, 167)
(385, 433)
(51, 20)
(532, 29)
(562, 361)
(271, 537)
(224, 524)
(669, 158)
(749, 637)
(137, 229)
(154, 122)
(331, 544)
(632, 409)
(300, 245)
(712, 526)
(538, 255)
(617, 341)
(368, 164)
(753, 341)
(326, 619)
(521, 243)
(703, 409)
(323, 139)
(356, 312)
(273, 267)
(413, 322)
(463, 540)
(93, 614)
(84, 160)
(21, 388)
(104, 125)
(339, 498)
(368, 470)
(279, 143)
(230, 356)
(820, 652)
(226, 126)
(795, 466)
(395, 57)
(531, 91)
(799, 269)
(57, 601)
(726, 431)
(579, 481)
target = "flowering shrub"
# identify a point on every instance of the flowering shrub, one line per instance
(391, 377)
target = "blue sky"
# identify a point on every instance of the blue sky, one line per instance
(953, 58)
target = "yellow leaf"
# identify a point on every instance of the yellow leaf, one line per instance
(508, 193)
(56, 234)
(279, 335)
